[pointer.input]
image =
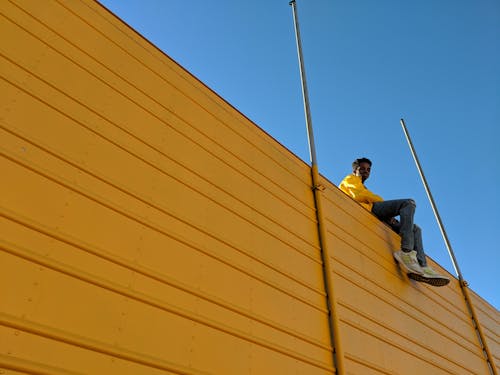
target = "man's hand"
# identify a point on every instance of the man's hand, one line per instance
(392, 221)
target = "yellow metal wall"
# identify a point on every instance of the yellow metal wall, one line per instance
(389, 324)
(489, 317)
(148, 227)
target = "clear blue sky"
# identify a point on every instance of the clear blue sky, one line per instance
(368, 63)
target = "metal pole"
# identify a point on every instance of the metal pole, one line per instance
(462, 282)
(331, 302)
(433, 204)
(305, 93)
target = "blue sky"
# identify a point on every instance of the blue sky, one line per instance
(368, 63)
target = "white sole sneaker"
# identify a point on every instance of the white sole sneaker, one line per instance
(434, 281)
(408, 261)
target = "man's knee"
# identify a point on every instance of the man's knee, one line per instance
(411, 202)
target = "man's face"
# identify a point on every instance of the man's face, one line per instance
(363, 171)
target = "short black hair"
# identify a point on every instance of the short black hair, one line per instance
(357, 162)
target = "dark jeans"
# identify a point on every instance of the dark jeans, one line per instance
(411, 234)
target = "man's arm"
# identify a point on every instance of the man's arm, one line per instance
(352, 186)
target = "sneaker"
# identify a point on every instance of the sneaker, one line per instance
(409, 261)
(431, 277)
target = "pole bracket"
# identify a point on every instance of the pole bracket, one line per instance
(319, 187)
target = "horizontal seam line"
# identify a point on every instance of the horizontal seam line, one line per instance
(138, 296)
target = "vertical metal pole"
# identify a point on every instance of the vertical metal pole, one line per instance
(305, 93)
(433, 204)
(333, 320)
(462, 282)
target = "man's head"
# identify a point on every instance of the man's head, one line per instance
(361, 167)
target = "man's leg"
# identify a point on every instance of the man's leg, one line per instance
(419, 247)
(405, 209)
(415, 260)
(430, 276)
(417, 235)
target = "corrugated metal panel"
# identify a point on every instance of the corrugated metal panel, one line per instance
(489, 319)
(390, 324)
(148, 227)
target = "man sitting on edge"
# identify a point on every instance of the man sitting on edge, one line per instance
(412, 255)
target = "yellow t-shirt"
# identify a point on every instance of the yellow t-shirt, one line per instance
(353, 187)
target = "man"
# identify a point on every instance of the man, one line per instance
(412, 255)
